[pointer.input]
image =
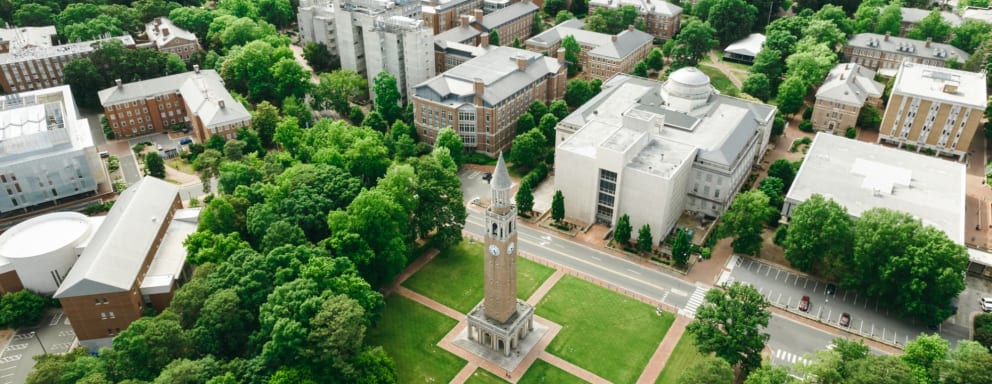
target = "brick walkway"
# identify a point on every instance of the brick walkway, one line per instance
(664, 351)
(409, 271)
(545, 287)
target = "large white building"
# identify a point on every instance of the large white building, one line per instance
(372, 36)
(652, 150)
(46, 150)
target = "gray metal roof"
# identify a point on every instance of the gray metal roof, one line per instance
(851, 84)
(906, 46)
(501, 177)
(497, 69)
(915, 15)
(657, 7)
(114, 257)
(208, 99)
(139, 90)
(748, 46)
(980, 14)
(459, 34)
(505, 15)
(158, 35)
(627, 41)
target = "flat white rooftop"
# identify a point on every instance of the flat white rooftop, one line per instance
(929, 82)
(861, 176)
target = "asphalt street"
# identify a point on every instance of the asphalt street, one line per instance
(129, 167)
(785, 289)
(16, 358)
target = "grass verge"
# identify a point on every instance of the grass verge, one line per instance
(409, 333)
(607, 333)
(542, 372)
(720, 81)
(482, 376)
(682, 357)
(455, 277)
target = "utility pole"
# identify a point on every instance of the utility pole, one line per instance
(39, 342)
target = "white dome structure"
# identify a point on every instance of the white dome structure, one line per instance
(44, 248)
(686, 89)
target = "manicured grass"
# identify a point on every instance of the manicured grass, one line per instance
(455, 277)
(409, 333)
(181, 165)
(542, 372)
(482, 376)
(682, 357)
(720, 81)
(607, 333)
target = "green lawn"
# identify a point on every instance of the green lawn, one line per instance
(720, 81)
(682, 357)
(542, 372)
(604, 332)
(409, 333)
(482, 376)
(454, 277)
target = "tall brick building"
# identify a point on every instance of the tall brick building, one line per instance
(602, 55)
(661, 18)
(31, 59)
(169, 38)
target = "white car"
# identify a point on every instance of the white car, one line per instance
(986, 303)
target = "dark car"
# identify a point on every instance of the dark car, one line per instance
(804, 304)
(831, 289)
(185, 141)
(487, 176)
(845, 320)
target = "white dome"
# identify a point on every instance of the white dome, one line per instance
(44, 234)
(689, 76)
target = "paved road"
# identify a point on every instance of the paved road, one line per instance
(129, 167)
(16, 360)
(867, 317)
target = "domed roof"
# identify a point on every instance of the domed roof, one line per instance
(689, 76)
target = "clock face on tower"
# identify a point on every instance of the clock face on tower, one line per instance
(509, 248)
(493, 250)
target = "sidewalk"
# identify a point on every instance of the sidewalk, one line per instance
(664, 351)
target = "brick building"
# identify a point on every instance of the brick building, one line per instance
(661, 18)
(847, 88)
(602, 55)
(885, 53)
(483, 97)
(135, 260)
(167, 37)
(449, 54)
(196, 99)
(30, 57)
(442, 15)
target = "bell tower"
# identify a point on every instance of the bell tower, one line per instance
(501, 253)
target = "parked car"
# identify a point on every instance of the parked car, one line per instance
(986, 303)
(487, 176)
(104, 154)
(845, 320)
(831, 289)
(185, 141)
(804, 304)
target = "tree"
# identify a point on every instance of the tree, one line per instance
(387, 97)
(811, 62)
(537, 110)
(21, 309)
(289, 79)
(869, 117)
(264, 120)
(932, 26)
(572, 51)
(655, 60)
(781, 41)
(318, 56)
(193, 19)
(621, 234)
(547, 126)
(217, 217)
(83, 77)
(825, 31)
(356, 116)
(774, 188)
(966, 364)
(693, 41)
(983, 330)
(757, 85)
(552, 7)
(34, 15)
(289, 135)
(783, 170)
(644, 240)
(640, 69)
(819, 236)
(681, 247)
(558, 108)
(528, 149)
(729, 324)
(866, 16)
(890, 19)
(154, 165)
(148, 345)
(708, 370)
(731, 19)
(563, 16)
(744, 221)
(494, 38)
(791, 95)
(525, 123)
(770, 374)
(234, 150)
(440, 208)
(577, 92)
(875, 369)
(770, 63)
(925, 355)
(278, 12)
(970, 34)
(579, 7)
(525, 199)
(778, 125)
(375, 121)
(558, 206)
(447, 138)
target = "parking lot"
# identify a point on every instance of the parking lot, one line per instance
(785, 289)
(16, 358)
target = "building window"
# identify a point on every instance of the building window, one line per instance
(103, 315)
(112, 315)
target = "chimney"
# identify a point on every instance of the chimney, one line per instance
(480, 89)
(478, 15)
(165, 31)
(614, 38)
(630, 27)
(887, 35)
(4, 46)
(929, 40)
(158, 20)
(465, 20)
(120, 84)
(521, 62)
(220, 103)
(484, 40)
(196, 68)
(842, 76)
(561, 56)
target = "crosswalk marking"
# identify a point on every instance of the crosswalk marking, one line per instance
(791, 358)
(694, 301)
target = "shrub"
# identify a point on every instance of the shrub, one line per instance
(806, 126)
(983, 329)
(21, 308)
(113, 163)
(851, 133)
(780, 234)
(808, 113)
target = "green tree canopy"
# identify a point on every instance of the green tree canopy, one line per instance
(572, 51)
(528, 149)
(819, 237)
(448, 138)
(644, 239)
(757, 85)
(525, 123)
(890, 19)
(932, 26)
(558, 206)
(731, 19)
(708, 370)
(970, 34)
(21, 309)
(387, 96)
(729, 324)
(694, 40)
(744, 221)
(154, 165)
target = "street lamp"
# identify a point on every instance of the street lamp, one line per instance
(39, 342)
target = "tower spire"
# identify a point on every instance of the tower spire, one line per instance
(501, 177)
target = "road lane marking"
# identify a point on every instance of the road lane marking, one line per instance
(633, 271)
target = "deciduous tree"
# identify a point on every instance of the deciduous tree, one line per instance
(731, 19)
(154, 165)
(693, 41)
(34, 15)
(932, 26)
(558, 108)
(708, 370)
(572, 51)
(577, 92)
(528, 149)
(318, 56)
(819, 236)
(744, 221)
(525, 199)
(890, 19)
(264, 120)
(757, 85)
(525, 123)
(447, 138)
(729, 324)
(681, 247)
(547, 126)
(21, 309)
(791, 94)
(558, 206)
(770, 374)
(387, 97)
(970, 34)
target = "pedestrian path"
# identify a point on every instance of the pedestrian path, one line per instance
(789, 357)
(664, 351)
(694, 301)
